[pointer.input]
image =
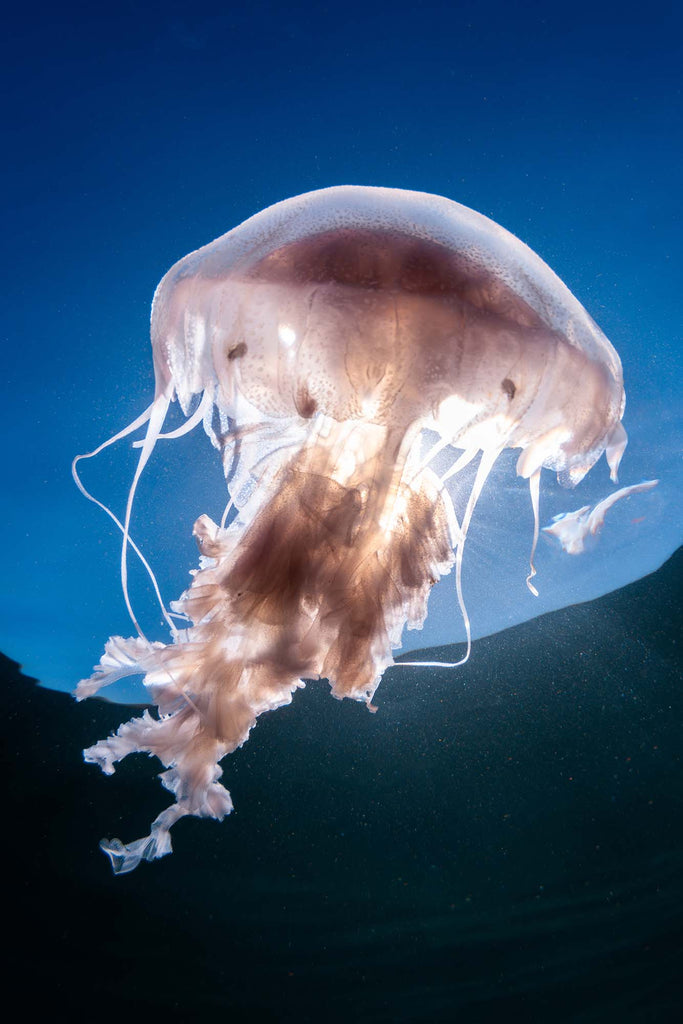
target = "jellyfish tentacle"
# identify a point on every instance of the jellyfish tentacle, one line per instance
(139, 422)
(615, 447)
(189, 424)
(534, 491)
(156, 420)
(486, 464)
(227, 510)
(258, 480)
(136, 549)
(488, 460)
(431, 454)
(460, 463)
(145, 417)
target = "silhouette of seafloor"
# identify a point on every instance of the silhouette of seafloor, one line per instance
(504, 842)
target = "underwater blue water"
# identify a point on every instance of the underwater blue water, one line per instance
(140, 138)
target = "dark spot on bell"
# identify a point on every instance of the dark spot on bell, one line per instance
(237, 351)
(509, 388)
(306, 405)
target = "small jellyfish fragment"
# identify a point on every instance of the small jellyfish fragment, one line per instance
(572, 529)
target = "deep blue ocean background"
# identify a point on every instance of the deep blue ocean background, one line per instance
(504, 842)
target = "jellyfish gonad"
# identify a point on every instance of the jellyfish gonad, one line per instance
(318, 342)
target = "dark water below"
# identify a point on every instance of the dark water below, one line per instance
(500, 843)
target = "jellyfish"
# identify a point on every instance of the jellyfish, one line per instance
(319, 343)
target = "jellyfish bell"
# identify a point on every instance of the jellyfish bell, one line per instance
(319, 343)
